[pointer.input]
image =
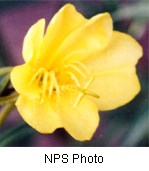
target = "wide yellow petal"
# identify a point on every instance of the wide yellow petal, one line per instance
(21, 77)
(115, 87)
(121, 51)
(80, 121)
(65, 21)
(93, 36)
(40, 116)
(33, 40)
(115, 81)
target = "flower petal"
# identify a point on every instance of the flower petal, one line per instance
(116, 81)
(20, 77)
(80, 121)
(115, 87)
(40, 116)
(122, 50)
(65, 21)
(93, 36)
(33, 40)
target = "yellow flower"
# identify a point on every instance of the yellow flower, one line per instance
(76, 68)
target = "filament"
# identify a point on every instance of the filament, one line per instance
(39, 72)
(81, 65)
(56, 86)
(47, 81)
(51, 85)
(73, 77)
(76, 69)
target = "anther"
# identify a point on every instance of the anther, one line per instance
(56, 85)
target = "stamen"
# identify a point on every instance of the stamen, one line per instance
(76, 69)
(48, 83)
(36, 75)
(45, 84)
(73, 77)
(81, 65)
(51, 86)
(39, 77)
(56, 85)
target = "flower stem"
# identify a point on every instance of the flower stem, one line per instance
(5, 70)
(5, 112)
(8, 99)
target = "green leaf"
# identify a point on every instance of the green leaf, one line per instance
(5, 70)
(8, 99)
(6, 109)
(15, 134)
(4, 82)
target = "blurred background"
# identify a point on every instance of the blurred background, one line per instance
(126, 126)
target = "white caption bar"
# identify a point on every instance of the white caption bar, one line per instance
(72, 158)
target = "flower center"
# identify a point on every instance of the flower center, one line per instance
(73, 76)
